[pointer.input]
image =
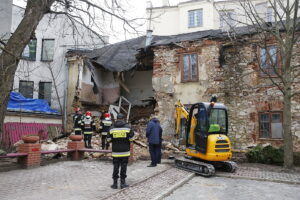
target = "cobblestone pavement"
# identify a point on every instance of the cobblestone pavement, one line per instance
(84, 180)
(154, 187)
(222, 188)
(69, 180)
(261, 174)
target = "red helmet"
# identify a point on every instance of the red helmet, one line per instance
(106, 115)
(88, 113)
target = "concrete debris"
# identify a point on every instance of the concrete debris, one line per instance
(2, 152)
(140, 145)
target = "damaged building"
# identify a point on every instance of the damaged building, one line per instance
(98, 78)
(191, 68)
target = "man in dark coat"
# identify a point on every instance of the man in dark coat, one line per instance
(154, 134)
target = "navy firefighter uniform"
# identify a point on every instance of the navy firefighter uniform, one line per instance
(77, 122)
(120, 135)
(104, 129)
(88, 127)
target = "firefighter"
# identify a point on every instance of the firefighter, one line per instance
(104, 128)
(77, 121)
(88, 127)
(120, 135)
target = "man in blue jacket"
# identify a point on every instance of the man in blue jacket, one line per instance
(154, 134)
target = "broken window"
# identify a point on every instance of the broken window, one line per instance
(29, 52)
(269, 61)
(45, 90)
(47, 49)
(26, 88)
(270, 125)
(195, 18)
(189, 67)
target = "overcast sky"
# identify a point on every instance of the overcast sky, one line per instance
(136, 9)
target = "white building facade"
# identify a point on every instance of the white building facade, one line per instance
(42, 71)
(200, 15)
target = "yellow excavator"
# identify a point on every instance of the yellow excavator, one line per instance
(207, 144)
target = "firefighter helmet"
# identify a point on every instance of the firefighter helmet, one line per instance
(88, 113)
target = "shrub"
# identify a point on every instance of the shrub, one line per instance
(267, 155)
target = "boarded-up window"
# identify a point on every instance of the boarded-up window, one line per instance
(189, 67)
(26, 88)
(47, 49)
(45, 89)
(270, 125)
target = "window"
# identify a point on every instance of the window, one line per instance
(269, 14)
(269, 61)
(227, 19)
(29, 52)
(270, 125)
(45, 89)
(26, 88)
(47, 49)
(195, 18)
(189, 68)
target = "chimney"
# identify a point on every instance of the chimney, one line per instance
(149, 4)
(148, 38)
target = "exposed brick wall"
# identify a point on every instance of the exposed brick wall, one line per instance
(230, 72)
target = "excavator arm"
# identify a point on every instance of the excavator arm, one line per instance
(180, 111)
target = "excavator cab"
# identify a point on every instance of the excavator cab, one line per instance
(205, 119)
(207, 144)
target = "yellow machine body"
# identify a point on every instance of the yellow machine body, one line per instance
(218, 146)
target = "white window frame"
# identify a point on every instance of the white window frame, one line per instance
(195, 18)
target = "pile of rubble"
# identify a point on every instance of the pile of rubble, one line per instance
(140, 145)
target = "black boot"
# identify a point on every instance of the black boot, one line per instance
(123, 184)
(115, 184)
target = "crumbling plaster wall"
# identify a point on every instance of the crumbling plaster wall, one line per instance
(140, 85)
(235, 82)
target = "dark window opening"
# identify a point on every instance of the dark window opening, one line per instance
(270, 125)
(45, 90)
(189, 68)
(26, 88)
(29, 52)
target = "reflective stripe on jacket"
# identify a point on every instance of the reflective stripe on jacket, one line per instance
(120, 135)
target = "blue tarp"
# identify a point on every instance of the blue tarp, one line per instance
(17, 102)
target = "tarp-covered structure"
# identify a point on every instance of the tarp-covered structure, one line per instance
(17, 102)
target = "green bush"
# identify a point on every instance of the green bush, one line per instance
(267, 155)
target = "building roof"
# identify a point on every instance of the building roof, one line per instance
(117, 57)
(122, 56)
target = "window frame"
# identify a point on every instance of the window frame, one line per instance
(190, 79)
(29, 57)
(39, 94)
(270, 134)
(269, 16)
(270, 71)
(31, 96)
(195, 18)
(42, 53)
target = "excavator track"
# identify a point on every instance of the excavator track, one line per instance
(226, 166)
(198, 167)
